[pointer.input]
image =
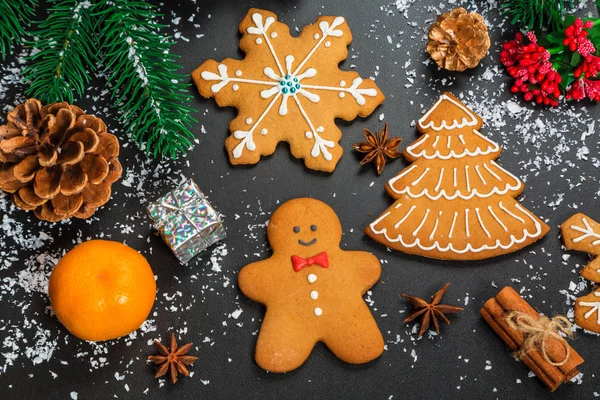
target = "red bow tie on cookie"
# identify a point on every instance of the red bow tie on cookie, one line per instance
(320, 259)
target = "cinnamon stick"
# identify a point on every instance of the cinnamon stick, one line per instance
(495, 311)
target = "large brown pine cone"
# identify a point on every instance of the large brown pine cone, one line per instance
(57, 161)
(458, 40)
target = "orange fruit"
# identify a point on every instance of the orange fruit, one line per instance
(102, 290)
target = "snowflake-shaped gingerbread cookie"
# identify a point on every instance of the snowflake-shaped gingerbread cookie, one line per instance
(288, 89)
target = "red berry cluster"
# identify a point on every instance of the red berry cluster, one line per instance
(534, 74)
(576, 37)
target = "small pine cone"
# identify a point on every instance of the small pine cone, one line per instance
(458, 40)
(57, 161)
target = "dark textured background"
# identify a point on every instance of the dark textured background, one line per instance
(467, 361)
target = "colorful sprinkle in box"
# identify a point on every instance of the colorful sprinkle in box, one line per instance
(186, 220)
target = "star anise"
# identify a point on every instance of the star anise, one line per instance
(430, 311)
(378, 147)
(173, 360)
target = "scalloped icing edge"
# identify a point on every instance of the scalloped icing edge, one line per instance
(468, 248)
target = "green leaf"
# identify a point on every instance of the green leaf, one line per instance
(555, 37)
(569, 19)
(575, 59)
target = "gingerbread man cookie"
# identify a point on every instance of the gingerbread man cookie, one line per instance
(288, 89)
(312, 290)
(582, 233)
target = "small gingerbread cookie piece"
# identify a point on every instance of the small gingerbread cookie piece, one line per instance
(582, 233)
(312, 290)
(454, 202)
(288, 89)
(587, 312)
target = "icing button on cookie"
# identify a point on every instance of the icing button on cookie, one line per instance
(314, 295)
(312, 278)
(318, 312)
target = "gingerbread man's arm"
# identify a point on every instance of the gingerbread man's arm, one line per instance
(365, 266)
(254, 281)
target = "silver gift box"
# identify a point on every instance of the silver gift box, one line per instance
(186, 221)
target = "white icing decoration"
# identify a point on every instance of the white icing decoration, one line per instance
(454, 181)
(462, 139)
(295, 76)
(588, 232)
(435, 142)
(453, 223)
(327, 44)
(516, 185)
(342, 95)
(595, 307)
(318, 312)
(497, 219)
(492, 148)
(467, 179)
(235, 88)
(437, 221)
(264, 131)
(506, 210)
(467, 222)
(468, 247)
(455, 124)
(479, 174)
(416, 231)
(246, 136)
(492, 172)
(314, 295)
(312, 278)
(439, 184)
(248, 121)
(412, 208)
(416, 182)
(482, 224)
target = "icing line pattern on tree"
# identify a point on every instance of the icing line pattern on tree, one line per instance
(454, 201)
(293, 79)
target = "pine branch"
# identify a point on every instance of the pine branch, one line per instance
(15, 16)
(147, 89)
(64, 55)
(537, 14)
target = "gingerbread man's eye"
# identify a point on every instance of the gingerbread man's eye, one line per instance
(313, 228)
(296, 229)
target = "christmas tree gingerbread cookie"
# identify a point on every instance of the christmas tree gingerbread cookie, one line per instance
(454, 202)
(288, 89)
(582, 233)
(312, 290)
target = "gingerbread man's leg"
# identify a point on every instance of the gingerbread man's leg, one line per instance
(284, 342)
(354, 336)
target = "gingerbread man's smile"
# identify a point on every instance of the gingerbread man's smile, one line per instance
(302, 242)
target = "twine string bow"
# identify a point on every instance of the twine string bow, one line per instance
(537, 330)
